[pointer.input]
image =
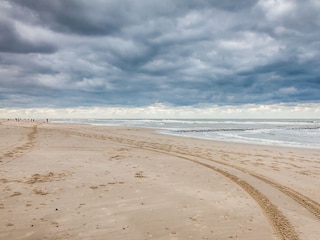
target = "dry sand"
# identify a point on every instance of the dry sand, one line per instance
(61, 181)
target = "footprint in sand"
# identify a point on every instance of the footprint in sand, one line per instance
(15, 194)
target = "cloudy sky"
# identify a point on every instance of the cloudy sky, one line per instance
(168, 55)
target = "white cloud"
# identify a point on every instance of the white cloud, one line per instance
(288, 90)
(58, 81)
(276, 9)
(160, 111)
(93, 84)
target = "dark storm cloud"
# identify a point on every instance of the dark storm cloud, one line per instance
(75, 16)
(108, 17)
(96, 53)
(12, 41)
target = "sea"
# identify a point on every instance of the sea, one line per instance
(303, 133)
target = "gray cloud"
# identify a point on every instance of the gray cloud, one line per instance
(100, 53)
(12, 41)
(108, 17)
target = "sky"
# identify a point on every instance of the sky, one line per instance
(160, 59)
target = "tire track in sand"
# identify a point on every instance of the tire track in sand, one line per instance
(279, 222)
(18, 151)
(309, 204)
(281, 226)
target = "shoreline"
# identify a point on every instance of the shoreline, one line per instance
(229, 124)
(167, 131)
(162, 132)
(73, 181)
(242, 142)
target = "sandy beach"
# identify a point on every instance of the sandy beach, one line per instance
(64, 181)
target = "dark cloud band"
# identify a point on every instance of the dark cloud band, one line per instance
(137, 53)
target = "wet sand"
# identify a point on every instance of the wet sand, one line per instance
(63, 181)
